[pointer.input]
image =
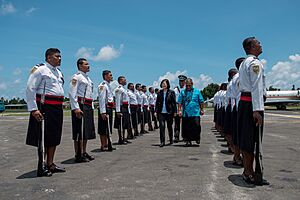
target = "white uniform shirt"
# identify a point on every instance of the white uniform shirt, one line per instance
(151, 99)
(105, 95)
(144, 98)
(236, 94)
(80, 86)
(132, 98)
(121, 97)
(252, 80)
(44, 79)
(228, 93)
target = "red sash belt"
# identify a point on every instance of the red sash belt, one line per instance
(50, 99)
(125, 103)
(87, 101)
(111, 104)
(151, 105)
(145, 106)
(133, 106)
(246, 96)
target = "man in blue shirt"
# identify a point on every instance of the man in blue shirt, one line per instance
(190, 108)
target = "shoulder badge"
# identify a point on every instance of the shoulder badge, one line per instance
(255, 69)
(101, 87)
(74, 81)
(33, 69)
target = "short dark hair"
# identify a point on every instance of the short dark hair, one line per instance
(231, 73)
(248, 43)
(156, 90)
(238, 62)
(167, 82)
(223, 86)
(80, 61)
(51, 51)
(105, 72)
(120, 78)
(137, 85)
(129, 84)
(150, 88)
(144, 86)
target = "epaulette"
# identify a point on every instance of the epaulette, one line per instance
(35, 67)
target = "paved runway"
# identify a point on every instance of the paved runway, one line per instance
(142, 170)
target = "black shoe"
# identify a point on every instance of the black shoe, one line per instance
(89, 157)
(111, 148)
(56, 169)
(161, 145)
(43, 171)
(171, 142)
(128, 142)
(262, 182)
(198, 141)
(176, 140)
(81, 159)
(156, 127)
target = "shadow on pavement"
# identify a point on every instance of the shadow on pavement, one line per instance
(221, 140)
(69, 161)
(31, 174)
(183, 145)
(224, 145)
(229, 164)
(226, 152)
(237, 179)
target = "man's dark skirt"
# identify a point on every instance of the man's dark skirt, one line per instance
(133, 111)
(215, 113)
(191, 128)
(139, 115)
(125, 119)
(103, 124)
(88, 126)
(222, 117)
(145, 116)
(227, 121)
(234, 126)
(53, 115)
(247, 129)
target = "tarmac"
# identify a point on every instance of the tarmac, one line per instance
(143, 170)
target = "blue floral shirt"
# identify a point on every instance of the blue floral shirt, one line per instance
(190, 102)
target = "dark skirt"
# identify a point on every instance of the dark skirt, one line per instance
(53, 121)
(145, 116)
(103, 128)
(222, 117)
(219, 116)
(247, 129)
(139, 115)
(234, 126)
(215, 113)
(125, 119)
(133, 113)
(191, 128)
(227, 121)
(152, 114)
(88, 125)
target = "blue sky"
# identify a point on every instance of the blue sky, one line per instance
(148, 40)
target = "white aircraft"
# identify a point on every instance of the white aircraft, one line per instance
(280, 99)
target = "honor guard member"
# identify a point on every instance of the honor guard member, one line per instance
(251, 111)
(133, 105)
(177, 91)
(81, 100)
(216, 108)
(145, 106)
(45, 97)
(151, 100)
(138, 92)
(228, 112)
(122, 118)
(237, 159)
(106, 105)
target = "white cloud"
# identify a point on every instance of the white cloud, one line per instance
(106, 53)
(7, 8)
(3, 86)
(199, 82)
(17, 71)
(17, 81)
(284, 74)
(30, 10)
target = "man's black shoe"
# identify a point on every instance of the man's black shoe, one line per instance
(89, 157)
(80, 159)
(161, 145)
(111, 148)
(56, 169)
(198, 141)
(43, 171)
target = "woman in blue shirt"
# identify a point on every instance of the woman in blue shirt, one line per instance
(190, 108)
